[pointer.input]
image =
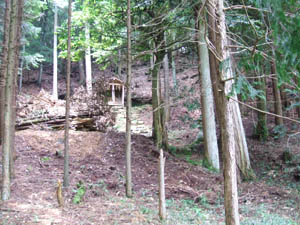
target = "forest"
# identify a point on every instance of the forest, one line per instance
(150, 112)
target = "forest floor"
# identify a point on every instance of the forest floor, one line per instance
(97, 167)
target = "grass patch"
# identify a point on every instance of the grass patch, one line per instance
(262, 215)
(79, 192)
(186, 212)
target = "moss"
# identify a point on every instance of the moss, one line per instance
(249, 175)
(207, 165)
(287, 156)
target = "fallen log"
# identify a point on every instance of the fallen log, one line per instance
(84, 121)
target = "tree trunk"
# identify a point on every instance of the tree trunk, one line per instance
(128, 106)
(277, 97)
(297, 84)
(159, 133)
(43, 33)
(173, 64)
(40, 75)
(208, 115)
(242, 154)
(21, 71)
(81, 72)
(166, 84)
(156, 102)
(152, 60)
(120, 64)
(161, 182)
(66, 152)
(4, 63)
(15, 11)
(12, 155)
(88, 61)
(55, 89)
(225, 107)
(261, 129)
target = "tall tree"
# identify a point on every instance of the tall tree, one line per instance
(157, 29)
(4, 61)
(66, 153)
(15, 10)
(173, 64)
(12, 155)
(55, 89)
(128, 106)
(166, 84)
(277, 95)
(208, 115)
(225, 106)
(88, 62)
(242, 155)
(261, 130)
(81, 72)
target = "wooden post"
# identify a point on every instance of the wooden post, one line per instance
(162, 196)
(123, 93)
(113, 94)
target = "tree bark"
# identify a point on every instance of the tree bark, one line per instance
(88, 61)
(43, 33)
(166, 84)
(173, 64)
(21, 71)
(225, 108)
(156, 102)
(68, 84)
(4, 63)
(261, 129)
(242, 154)
(55, 89)
(208, 115)
(13, 154)
(81, 71)
(159, 133)
(40, 75)
(161, 182)
(277, 97)
(128, 106)
(120, 64)
(152, 59)
(15, 10)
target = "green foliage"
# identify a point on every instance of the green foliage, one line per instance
(294, 95)
(279, 131)
(192, 105)
(194, 162)
(187, 212)
(44, 159)
(287, 156)
(246, 90)
(284, 22)
(32, 60)
(79, 192)
(106, 26)
(272, 33)
(208, 166)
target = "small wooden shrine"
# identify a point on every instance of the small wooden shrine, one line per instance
(116, 92)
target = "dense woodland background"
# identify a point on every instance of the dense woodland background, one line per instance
(214, 84)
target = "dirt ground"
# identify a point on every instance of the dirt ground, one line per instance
(97, 161)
